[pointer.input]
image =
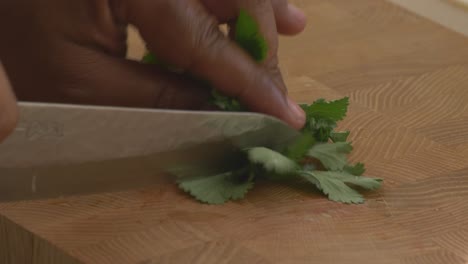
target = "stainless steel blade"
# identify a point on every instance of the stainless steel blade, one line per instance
(67, 149)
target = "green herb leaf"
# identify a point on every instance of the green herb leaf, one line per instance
(335, 189)
(271, 161)
(226, 103)
(297, 150)
(217, 189)
(337, 182)
(339, 136)
(334, 110)
(321, 128)
(150, 58)
(248, 36)
(333, 156)
(322, 117)
(358, 169)
(333, 184)
(367, 183)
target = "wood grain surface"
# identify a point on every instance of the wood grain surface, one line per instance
(408, 82)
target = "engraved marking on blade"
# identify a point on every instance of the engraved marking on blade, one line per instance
(20, 128)
(40, 130)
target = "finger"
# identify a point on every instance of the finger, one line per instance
(262, 12)
(8, 108)
(98, 79)
(290, 20)
(194, 42)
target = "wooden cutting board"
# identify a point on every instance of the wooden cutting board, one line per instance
(408, 82)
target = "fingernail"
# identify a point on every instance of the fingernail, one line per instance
(298, 115)
(297, 13)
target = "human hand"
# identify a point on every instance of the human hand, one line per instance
(74, 51)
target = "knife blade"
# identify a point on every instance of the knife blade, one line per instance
(60, 149)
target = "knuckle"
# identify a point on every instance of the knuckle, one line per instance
(207, 43)
(162, 96)
(74, 93)
(279, 5)
(72, 87)
(275, 71)
(256, 79)
(176, 92)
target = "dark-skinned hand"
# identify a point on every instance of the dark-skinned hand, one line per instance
(73, 51)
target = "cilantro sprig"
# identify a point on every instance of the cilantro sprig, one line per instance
(318, 156)
(323, 164)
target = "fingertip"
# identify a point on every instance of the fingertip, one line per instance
(269, 98)
(297, 116)
(293, 21)
(297, 14)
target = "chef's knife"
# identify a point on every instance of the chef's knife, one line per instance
(60, 149)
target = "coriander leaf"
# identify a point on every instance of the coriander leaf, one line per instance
(226, 103)
(321, 128)
(332, 156)
(271, 160)
(358, 169)
(363, 182)
(218, 188)
(367, 183)
(150, 58)
(298, 149)
(248, 36)
(334, 110)
(334, 187)
(309, 167)
(305, 107)
(339, 136)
